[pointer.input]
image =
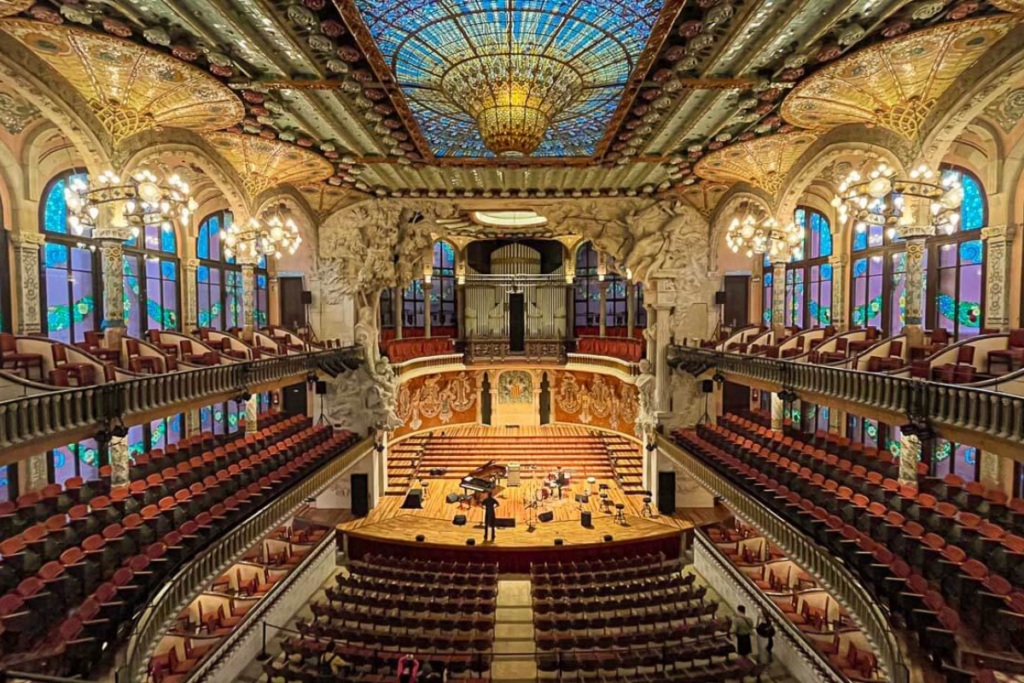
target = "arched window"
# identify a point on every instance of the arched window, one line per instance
(414, 306)
(615, 309)
(151, 281)
(219, 278)
(809, 273)
(71, 267)
(767, 283)
(442, 292)
(387, 308)
(587, 303)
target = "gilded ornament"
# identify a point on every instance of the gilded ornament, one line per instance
(157, 35)
(11, 7)
(1015, 6)
(763, 162)
(263, 164)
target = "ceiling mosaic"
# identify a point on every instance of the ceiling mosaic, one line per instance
(567, 59)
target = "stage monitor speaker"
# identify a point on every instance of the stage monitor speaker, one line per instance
(546, 516)
(420, 538)
(516, 322)
(321, 387)
(360, 495)
(505, 522)
(582, 498)
(460, 520)
(608, 538)
(470, 541)
(707, 386)
(667, 493)
(559, 541)
(719, 298)
(585, 519)
(452, 498)
(307, 297)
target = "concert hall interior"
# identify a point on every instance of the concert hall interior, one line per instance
(524, 341)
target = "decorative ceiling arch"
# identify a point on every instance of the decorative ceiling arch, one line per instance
(761, 162)
(264, 164)
(130, 88)
(11, 7)
(894, 84)
(324, 199)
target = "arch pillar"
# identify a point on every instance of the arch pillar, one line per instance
(27, 274)
(998, 249)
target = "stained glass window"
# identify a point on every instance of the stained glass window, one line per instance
(615, 302)
(587, 290)
(973, 208)
(70, 293)
(262, 312)
(422, 41)
(55, 208)
(867, 292)
(766, 297)
(387, 308)
(809, 277)
(795, 297)
(80, 459)
(959, 297)
(442, 291)
(413, 305)
(219, 280)
(151, 282)
(221, 418)
(865, 431)
(953, 458)
(7, 489)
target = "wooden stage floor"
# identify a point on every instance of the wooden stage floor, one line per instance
(390, 522)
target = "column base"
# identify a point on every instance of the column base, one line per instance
(112, 337)
(915, 334)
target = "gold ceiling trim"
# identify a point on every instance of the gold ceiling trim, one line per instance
(762, 162)
(325, 199)
(11, 7)
(1015, 6)
(129, 87)
(896, 83)
(263, 164)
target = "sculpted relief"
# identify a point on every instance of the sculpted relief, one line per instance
(437, 399)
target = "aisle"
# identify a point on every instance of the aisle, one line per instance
(514, 644)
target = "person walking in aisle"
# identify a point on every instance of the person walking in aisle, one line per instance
(742, 628)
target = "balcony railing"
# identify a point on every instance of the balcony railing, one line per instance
(802, 549)
(58, 417)
(956, 407)
(183, 587)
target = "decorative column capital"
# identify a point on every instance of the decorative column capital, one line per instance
(191, 263)
(998, 232)
(28, 240)
(838, 260)
(112, 233)
(910, 232)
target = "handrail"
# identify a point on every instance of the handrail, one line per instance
(30, 419)
(822, 667)
(829, 572)
(187, 582)
(625, 368)
(960, 407)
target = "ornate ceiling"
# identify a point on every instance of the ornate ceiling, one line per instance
(655, 85)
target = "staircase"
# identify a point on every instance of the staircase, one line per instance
(514, 643)
(628, 463)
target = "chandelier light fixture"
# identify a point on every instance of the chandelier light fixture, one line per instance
(140, 200)
(924, 201)
(252, 239)
(513, 97)
(780, 242)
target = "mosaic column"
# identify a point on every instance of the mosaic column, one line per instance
(910, 454)
(991, 470)
(26, 274)
(428, 289)
(248, 299)
(916, 238)
(274, 300)
(111, 239)
(838, 306)
(191, 307)
(630, 309)
(252, 415)
(37, 473)
(998, 250)
(602, 307)
(836, 420)
(119, 463)
(193, 425)
(779, 298)
(778, 409)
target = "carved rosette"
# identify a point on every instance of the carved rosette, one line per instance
(26, 260)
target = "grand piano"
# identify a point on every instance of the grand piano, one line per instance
(483, 479)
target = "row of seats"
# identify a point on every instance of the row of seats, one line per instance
(932, 583)
(118, 568)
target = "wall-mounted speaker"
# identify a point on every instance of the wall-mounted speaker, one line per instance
(321, 388)
(707, 386)
(719, 298)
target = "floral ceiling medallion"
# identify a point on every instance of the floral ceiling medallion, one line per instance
(263, 164)
(762, 162)
(324, 199)
(11, 7)
(129, 87)
(896, 83)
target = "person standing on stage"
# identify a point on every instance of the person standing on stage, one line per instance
(490, 517)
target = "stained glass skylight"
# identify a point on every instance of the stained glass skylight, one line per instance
(423, 40)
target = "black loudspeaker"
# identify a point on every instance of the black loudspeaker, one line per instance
(307, 298)
(470, 541)
(505, 522)
(516, 323)
(719, 298)
(452, 498)
(360, 495)
(546, 516)
(667, 493)
(460, 520)
(559, 541)
(585, 519)
(608, 538)
(321, 387)
(420, 538)
(707, 386)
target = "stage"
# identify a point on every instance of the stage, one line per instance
(391, 528)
